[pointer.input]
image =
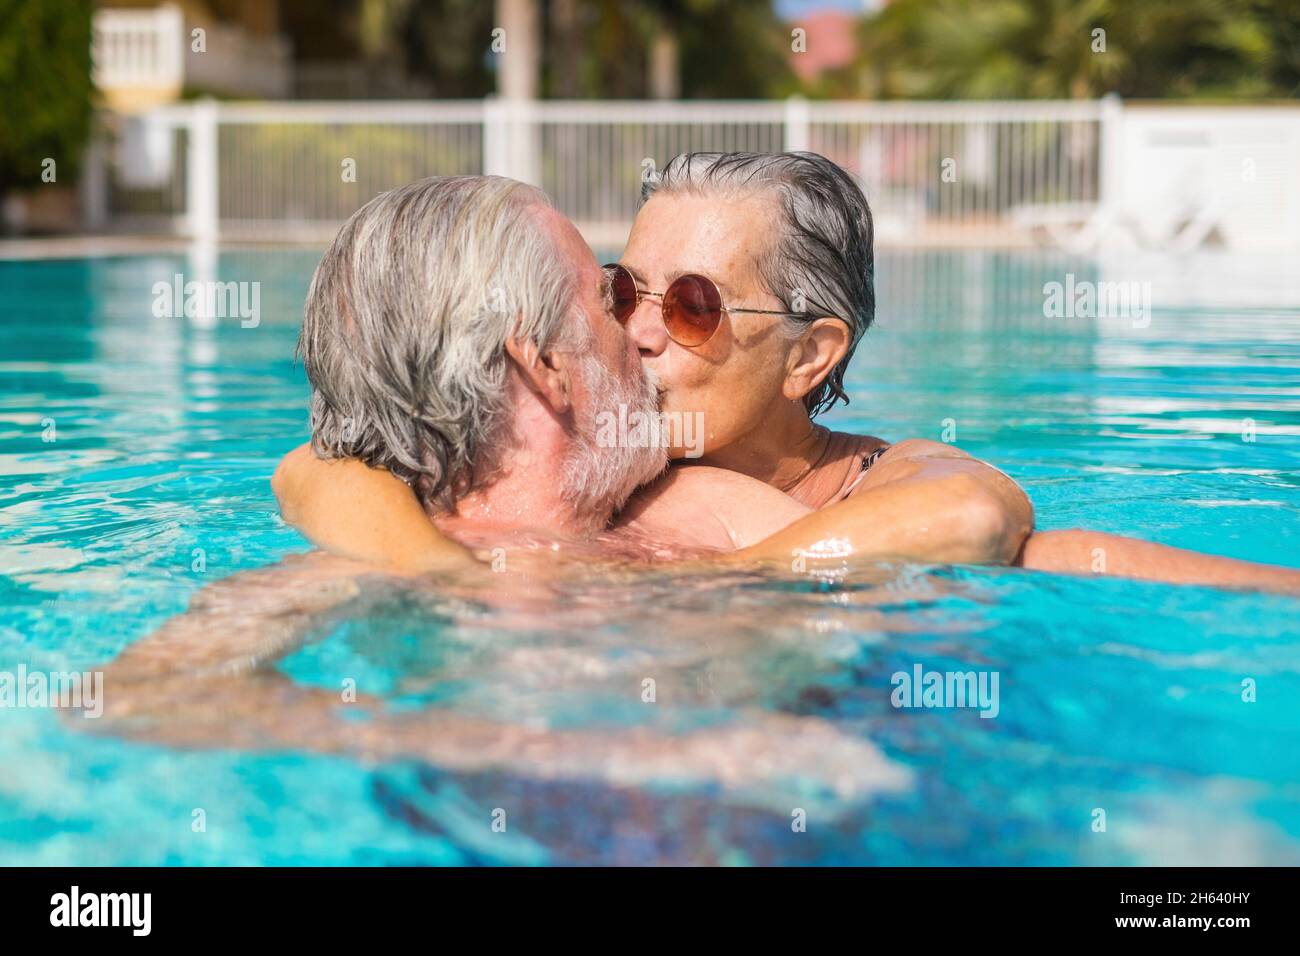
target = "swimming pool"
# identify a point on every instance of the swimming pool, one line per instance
(132, 446)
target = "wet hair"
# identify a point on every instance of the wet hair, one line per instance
(406, 322)
(822, 252)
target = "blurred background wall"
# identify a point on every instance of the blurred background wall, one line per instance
(968, 122)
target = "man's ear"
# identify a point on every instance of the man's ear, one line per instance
(818, 351)
(539, 372)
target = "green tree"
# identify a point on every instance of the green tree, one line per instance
(597, 49)
(1282, 20)
(1013, 49)
(600, 49)
(45, 89)
(733, 50)
(447, 43)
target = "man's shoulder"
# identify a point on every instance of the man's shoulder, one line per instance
(711, 507)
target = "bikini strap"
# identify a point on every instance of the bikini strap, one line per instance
(867, 462)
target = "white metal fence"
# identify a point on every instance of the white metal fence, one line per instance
(936, 173)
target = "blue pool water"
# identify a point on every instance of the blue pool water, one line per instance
(128, 441)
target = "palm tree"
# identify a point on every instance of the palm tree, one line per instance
(1015, 49)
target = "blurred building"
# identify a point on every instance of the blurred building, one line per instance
(829, 43)
(146, 54)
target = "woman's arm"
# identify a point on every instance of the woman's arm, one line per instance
(1079, 551)
(368, 514)
(921, 501)
(1000, 513)
(1006, 514)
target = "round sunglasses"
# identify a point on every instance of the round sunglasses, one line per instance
(692, 305)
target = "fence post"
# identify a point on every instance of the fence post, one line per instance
(796, 124)
(94, 182)
(170, 42)
(202, 219)
(525, 142)
(1110, 185)
(511, 139)
(494, 137)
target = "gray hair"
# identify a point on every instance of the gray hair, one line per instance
(406, 322)
(823, 248)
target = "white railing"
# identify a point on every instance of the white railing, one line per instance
(936, 173)
(138, 48)
(153, 50)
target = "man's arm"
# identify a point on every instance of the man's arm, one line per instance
(243, 621)
(204, 679)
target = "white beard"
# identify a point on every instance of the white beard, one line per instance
(599, 480)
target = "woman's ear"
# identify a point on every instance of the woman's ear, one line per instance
(819, 350)
(538, 370)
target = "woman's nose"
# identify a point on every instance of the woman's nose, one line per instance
(646, 328)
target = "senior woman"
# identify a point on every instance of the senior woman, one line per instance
(748, 282)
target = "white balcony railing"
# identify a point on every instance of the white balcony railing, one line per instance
(156, 50)
(139, 48)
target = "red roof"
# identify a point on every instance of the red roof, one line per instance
(830, 41)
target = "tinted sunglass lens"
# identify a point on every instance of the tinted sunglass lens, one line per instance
(621, 288)
(692, 310)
